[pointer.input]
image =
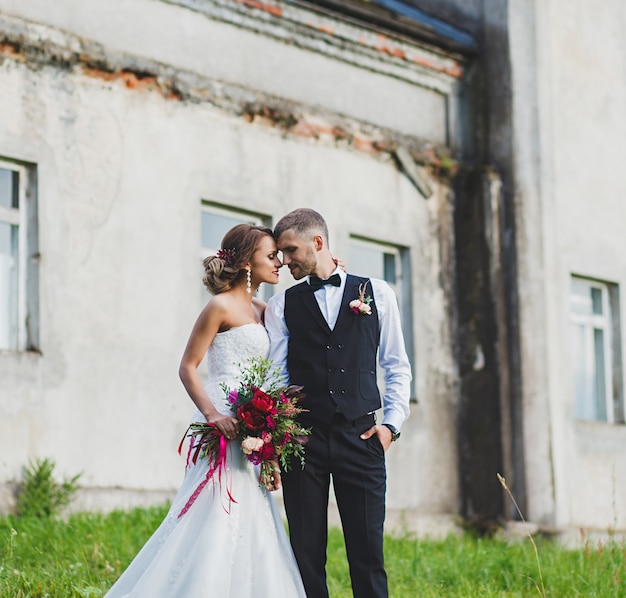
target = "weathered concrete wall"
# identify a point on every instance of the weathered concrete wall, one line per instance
(569, 97)
(243, 50)
(545, 112)
(126, 148)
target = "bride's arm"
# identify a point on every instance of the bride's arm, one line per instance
(206, 327)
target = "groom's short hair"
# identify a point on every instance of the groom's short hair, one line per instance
(305, 222)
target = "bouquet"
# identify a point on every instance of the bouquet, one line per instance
(268, 430)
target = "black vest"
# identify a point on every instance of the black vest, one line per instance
(337, 368)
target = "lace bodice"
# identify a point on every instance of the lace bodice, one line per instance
(228, 353)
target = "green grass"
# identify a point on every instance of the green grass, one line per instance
(84, 556)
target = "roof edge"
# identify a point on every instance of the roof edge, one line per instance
(402, 19)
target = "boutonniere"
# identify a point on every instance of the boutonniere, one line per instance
(361, 305)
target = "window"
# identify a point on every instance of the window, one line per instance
(217, 220)
(18, 258)
(391, 264)
(375, 260)
(594, 315)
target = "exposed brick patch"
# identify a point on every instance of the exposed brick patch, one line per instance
(324, 28)
(266, 115)
(366, 139)
(12, 51)
(363, 143)
(304, 129)
(291, 118)
(273, 9)
(137, 80)
(379, 42)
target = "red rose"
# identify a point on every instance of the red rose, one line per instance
(266, 452)
(251, 417)
(262, 401)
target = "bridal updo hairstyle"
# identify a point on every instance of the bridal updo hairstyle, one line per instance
(226, 270)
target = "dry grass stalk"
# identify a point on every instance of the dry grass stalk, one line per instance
(541, 590)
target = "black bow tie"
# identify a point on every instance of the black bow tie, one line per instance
(317, 283)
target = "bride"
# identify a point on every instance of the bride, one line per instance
(208, 545)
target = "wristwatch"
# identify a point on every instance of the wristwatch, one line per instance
(395, 433)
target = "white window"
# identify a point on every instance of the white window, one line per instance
(391, 264)
(18, 258)
(594, 314)
(217, 220)
(375, 260)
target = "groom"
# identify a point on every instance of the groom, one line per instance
(319, 342)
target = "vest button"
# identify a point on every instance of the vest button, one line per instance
(332, 392)
(343, 392)
(342, 370)
(328, 346)
(339, 346)
(330, 369)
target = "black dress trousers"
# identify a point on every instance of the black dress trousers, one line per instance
(358, 473)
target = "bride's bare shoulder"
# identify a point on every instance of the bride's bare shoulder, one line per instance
(220, 307)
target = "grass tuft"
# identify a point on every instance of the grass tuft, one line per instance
(40, 495)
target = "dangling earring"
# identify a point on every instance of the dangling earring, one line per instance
(249, 281)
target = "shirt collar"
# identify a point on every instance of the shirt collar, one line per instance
(337, 270)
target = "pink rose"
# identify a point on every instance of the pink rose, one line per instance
(251, 444)
(364, 308)
(360, 307)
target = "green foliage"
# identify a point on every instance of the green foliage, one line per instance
(40, 494)
(83, 556)
(257, 373)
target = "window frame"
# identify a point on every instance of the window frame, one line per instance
(402, 287)
(25, 218)
(385, 249)
(609, 323)
(222, 209)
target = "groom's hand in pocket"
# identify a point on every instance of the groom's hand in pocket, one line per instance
(384, 435)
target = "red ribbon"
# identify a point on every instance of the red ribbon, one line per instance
(217, 463)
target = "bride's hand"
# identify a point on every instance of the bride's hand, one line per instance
(339, 262)
(227, 425)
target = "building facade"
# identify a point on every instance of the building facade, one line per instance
(441, 141)
(133, 136)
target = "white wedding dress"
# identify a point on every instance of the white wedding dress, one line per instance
(217, 547)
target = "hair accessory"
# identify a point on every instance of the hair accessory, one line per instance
(249, 281)
(228, 255)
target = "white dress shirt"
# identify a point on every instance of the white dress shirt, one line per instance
(392, 356)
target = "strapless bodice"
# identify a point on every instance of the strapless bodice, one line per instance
(229, 352)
